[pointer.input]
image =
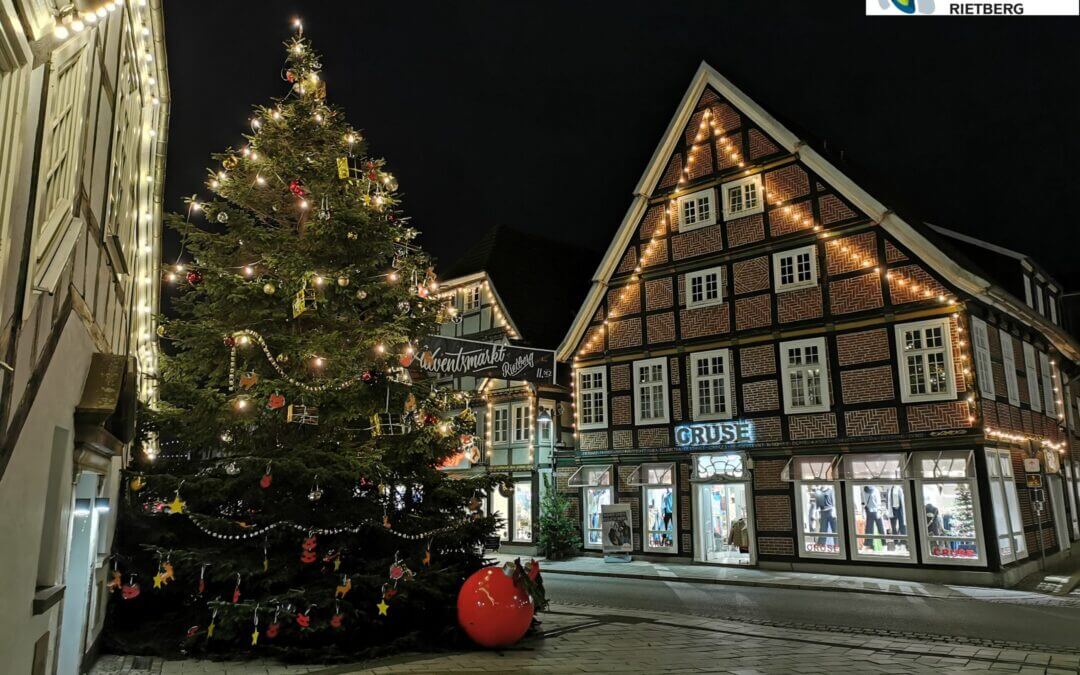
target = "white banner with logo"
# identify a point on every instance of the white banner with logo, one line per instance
(997, 8)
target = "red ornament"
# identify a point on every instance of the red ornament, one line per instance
(229, 341)
(303, 620)
(193, 631)
(194, 278)
(431, 420)
(264, 482)
(202, 586)
(492, 609)
(290, 76)
(276, 401)
(336, 620)
(272, 630)
(308, 555)
(297, 189)
(371, 175)
(130, 591)
(236, 594)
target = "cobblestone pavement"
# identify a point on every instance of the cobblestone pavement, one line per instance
(579, 638)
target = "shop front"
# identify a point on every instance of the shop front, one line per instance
(596, 490)
(513, 502)
(659, 516)
(723, 513)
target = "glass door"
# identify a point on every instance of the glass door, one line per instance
(724, 525)
(595, 497)
(523, 520)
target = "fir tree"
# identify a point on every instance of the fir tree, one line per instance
(296, 506)
(559, 538)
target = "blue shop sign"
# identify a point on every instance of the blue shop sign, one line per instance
(712, 434)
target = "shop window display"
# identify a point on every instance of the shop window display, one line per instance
(945, 484)
(595, 483)
(500, 506)
(523, 511)
(879, 507)
(818, 507)
(723, 522)
(658, 497)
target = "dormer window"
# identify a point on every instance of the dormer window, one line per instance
(471, 298)
(743, 197)
(696, 210)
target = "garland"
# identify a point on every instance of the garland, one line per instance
(195, 519)
(280, 371)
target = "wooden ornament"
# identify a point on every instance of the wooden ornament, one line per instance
(276, 401)
(249, 379)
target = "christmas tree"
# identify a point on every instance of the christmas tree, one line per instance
(289, 500)
(559, 538)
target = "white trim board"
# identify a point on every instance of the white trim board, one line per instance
(706, 76)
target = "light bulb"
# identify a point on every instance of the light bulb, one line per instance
(60, 32)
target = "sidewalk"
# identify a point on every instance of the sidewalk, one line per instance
(712, 574)
(579, 639)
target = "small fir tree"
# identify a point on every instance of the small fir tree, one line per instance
(559, 538)
(296, 506)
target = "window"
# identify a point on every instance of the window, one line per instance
(806, 376)
(710, 385)
(592, 398)
(742, 197)
(1008, 359)
(795, 269)
(523, 521)
(1039, 300)
(1032, 378)
(500, 506)
(658, 497)
(879, 507)
(983, 368)
(696, 210)
(1049, 395)
(1006, 506)
(948, 507)
(817, 490)
(1027, 292)
(471, 298)
(705, 287)
(650, 391)
(500, 424)
(925, 361)
(521, 422)
(596, 484)
(1051, 303)
(61, 141)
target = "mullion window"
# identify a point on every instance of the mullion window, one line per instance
(926, 359)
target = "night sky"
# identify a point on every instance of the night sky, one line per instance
(542, 115)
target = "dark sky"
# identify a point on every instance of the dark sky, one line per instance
(542, 115)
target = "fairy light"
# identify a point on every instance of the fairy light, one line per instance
(488, 427)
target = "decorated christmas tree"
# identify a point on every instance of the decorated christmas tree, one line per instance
(289, 499)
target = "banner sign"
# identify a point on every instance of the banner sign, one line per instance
(616, 526)
(712, 434)
(441, 356)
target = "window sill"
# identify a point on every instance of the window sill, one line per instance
(695, 226)
(707, 303)
(744, 213)
(796, 286)
(788, 410)
(927, 398)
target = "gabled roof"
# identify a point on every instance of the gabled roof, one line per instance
(540, 281)
(912, 234)
(1003, 265)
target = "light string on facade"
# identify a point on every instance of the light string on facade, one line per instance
(1013, 437)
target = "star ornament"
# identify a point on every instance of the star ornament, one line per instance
(177, 505)
(382, 607)
(158, 579)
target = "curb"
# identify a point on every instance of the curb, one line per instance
(757, 584)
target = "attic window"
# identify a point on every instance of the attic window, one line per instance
(743, 197)
(471, 299)
(696, 210)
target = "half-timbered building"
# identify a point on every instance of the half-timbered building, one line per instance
(776, 366)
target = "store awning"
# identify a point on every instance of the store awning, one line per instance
(876, 466)
(944, 464)
(816, 467)
(590, 476)
(654, 474)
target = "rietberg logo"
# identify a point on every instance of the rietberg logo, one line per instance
(984, 8)
(703, 434)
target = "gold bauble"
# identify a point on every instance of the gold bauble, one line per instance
(269, 288)
(343, 281)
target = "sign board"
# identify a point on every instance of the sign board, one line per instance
(441, 356)
(713, 434)
(616, 527)
(1032, 465)
(1050, 459)
(1034, 480)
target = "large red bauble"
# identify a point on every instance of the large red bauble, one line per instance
(492, 610)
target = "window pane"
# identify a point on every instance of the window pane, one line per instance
(950, 520)
(819, 518)
(881, 520)
(523, 511)
(703, 208)
(594, 498)
(735, 199)
(751, 195)
(659, 518)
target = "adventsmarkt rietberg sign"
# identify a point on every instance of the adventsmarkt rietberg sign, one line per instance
(454, 357)
(712, 434)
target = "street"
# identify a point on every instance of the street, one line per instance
(1011, 616)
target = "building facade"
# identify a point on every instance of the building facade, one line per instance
(84, 103)
(515, 420)
(775, 368)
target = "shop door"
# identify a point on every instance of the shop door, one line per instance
(82, 548)
(723, 524)
(1061, 523)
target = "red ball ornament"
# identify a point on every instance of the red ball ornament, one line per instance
(229, 341)
(194, 278)
(272, 630)
(492, 609)
(297, 189)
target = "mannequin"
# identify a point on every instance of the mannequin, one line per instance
(897, 516)
(875, 522)
(825, 502)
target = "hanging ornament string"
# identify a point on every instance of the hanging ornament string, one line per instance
(197, 520)
(252, 335)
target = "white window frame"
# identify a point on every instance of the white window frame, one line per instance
(520, 424)
(1051, 304)
(984, 370)
(742, 184)
(829, 476)
(639, 387)
(903, 482)
(470, 299)
(1027, 292)
(1047, 375)
(695, 201)
(646, 485)
(703, 275)
(793, 254)
(597, 480)
(725, 383)
(906, 395)
(598, 398)
(1008, 360)
(61, 161)
(969, 480)
(1032, 376)
(500, 433)
(1001, 475)
(787, 369)
(1039, 300)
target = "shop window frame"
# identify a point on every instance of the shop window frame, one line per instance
(641, 478)
(831, 477)
(904, 481)
(969, 479)
(996, 472)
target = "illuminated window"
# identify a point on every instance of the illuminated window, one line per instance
(805, 375)
(592, 398)
(924, 355)
(795, 269)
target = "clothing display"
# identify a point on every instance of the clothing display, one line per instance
(739, 535)
(897, 514)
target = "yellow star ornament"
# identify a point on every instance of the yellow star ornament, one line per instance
(177, 505)
(255, 637)
(158, 578)
(382, 607)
